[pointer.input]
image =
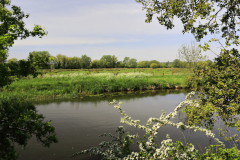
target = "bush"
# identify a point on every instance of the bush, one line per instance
(153, 65)
(220, 153)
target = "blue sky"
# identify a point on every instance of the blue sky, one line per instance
(97, 28)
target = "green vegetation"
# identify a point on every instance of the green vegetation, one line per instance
(40, 59)
(19, 120)
(219, 93)
(12, 27)
(218, 83)
(43, 60)
(76, 83)
(154, 65)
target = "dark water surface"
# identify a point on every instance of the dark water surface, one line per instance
(79, 122)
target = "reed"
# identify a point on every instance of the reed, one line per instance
(76, 84)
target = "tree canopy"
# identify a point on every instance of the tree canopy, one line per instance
(197, 17)
(19, 119)
(85, 61)
(132, 63)
(218, 84)
(12, 27)
(107, 60)
(41, 58)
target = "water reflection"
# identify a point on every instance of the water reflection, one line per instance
(78, 122)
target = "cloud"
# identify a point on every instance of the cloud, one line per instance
(101, 19)
(70, 41)
(90, 23)
(96, 28)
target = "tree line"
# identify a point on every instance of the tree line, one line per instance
(43, 60)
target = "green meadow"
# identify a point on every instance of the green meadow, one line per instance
(70, 83)
(156, 71)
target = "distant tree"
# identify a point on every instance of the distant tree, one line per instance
(108, 61)
(12, 60)
(69, 63)
(125, 61)
(94, 64)
(101, 64)
(85, 61)
(161, 65)
(132, 63)
(184, 64)
(120, 64)
(147, 64)
(164, 65)
(154, 65)
(154, 61)
(40, 58)
(23, 68)
(61, 61)
(58, 60)
(114, 61)
(141, 64)
(167, 64)
(191, 54)
(177, 63)
(64, 62)
(52, 62)
(75, 63)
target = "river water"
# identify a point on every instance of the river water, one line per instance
(79, 122)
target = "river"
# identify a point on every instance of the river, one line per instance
(79, 122)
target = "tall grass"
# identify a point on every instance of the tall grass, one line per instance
(75, 84)
(157, 71)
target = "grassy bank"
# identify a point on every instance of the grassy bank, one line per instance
(73, 84)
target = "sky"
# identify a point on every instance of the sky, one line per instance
(97, 28)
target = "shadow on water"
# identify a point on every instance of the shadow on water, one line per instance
(79, 122)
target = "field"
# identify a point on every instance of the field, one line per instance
(63, 83)
(157, 71)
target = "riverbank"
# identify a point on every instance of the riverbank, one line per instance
(76, 84)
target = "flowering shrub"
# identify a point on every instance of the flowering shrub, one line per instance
(148, 149)
(118, 147)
